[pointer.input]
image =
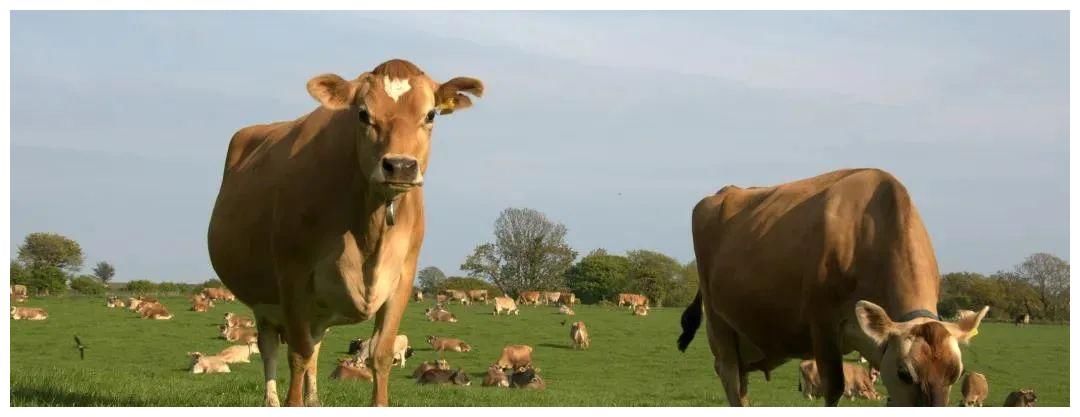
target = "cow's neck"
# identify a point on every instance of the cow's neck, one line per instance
(372, 221)
(912, 295)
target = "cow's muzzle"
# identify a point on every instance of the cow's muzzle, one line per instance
(400, 172)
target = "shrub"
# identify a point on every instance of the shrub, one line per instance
(87, 285)
(47, 280)
(140, 286)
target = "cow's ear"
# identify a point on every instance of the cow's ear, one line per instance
(968, 326)
(332, 91)
(449, 98)
(873, 320)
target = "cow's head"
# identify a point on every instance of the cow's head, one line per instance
(919, 359)
(393, 110)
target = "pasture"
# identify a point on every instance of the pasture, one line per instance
(633, 360)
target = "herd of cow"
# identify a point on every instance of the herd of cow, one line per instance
(319, 222)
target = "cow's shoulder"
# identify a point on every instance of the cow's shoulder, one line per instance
(252, 142)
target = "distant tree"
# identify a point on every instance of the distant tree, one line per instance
(530, 252)
(51, 249)
(430, 279)
(141, 286)
(104, 271)
(1049, 275)
(47, 279)
(656, 276)
(87, 285)
(19, 275)
(211, 283)
(686, 285)
(171, 288)
(598, 276)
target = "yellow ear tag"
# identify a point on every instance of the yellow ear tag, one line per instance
(973, 332)
(448, 104)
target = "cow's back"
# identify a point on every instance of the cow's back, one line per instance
(791, 252)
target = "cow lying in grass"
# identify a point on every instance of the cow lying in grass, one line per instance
(203, 364)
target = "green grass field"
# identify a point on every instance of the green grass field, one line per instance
(633, 361)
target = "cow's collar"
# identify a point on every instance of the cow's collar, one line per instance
(391, 209)
(914, 314)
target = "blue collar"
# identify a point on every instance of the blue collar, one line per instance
(911, 315)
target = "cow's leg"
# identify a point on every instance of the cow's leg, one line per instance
(297, 333)
(311, 394)
(387, 321)
(268, 350)
(724, 344)
(830, 362)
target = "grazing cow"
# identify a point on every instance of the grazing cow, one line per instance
(438, 314)
(28, 313)
(114, 302)
(202, 364)
(441, 344)
(563, 309)
(242, 335)
(15, 298)
(418, 296)
(569, 299)
(579, 335)
(235, 320)
(19, 289)
(402, 350)
(155, 311)
(858, 381)
(515, 356)
(551, 297)
(496, 377)
(1022, 320)
(479, 295)
(632, 300)
(640, 310)
(319, 220)
(529, 297)
(527, 377)
(238, 353)
(351, 369)
(861, 244)
(201, 304)
(1021, 398)
(429, 365)
(458, 295)
(444, 376)
(975, 389)
(506, 304)
(440, 298)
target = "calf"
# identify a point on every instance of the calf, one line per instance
(444, 376)
(427, 366)
(233, 320)
(975, 389)
(1021, 398)
(238, 353)
(563, 309)
(114, 302)
(506, 304)
(28, 313)
(418, 296)
(243, 335)
(858, 381)
(200, 303)
(515, 356)
(351, 370)
(19, 289)
(551, 297)
(440, 298)
(441, 344)
(202, 364)
(568, 298)
(528, 378)
(496, 377)
(579, 335)
(641, 310)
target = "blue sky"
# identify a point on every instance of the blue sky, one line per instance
(613, 123)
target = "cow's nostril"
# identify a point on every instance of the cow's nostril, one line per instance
(387, 165)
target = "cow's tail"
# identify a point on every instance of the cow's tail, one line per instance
(691, 320)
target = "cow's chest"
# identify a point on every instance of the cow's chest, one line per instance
(353, 285)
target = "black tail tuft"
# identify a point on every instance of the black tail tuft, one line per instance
(691, 320)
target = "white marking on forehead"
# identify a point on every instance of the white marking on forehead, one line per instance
(395, 88)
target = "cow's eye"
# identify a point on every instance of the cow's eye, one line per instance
(365, 118)
(905, 376)
(430, 117)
